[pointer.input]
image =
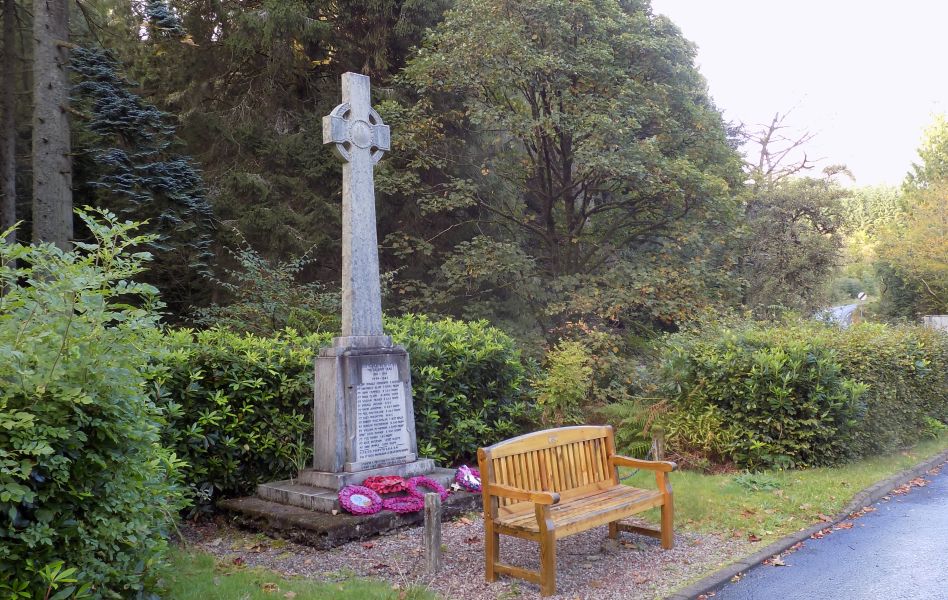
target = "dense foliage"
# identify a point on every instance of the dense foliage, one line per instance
(126, 162)
(240, 405)
(83, 479)
(576, 144)
(468, 383)
(783, 396)
(905, 369)
(792, 246)
(801, 393)
(912, 253)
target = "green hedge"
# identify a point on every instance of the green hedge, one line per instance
(801, 393)
(84, 483)
(905, 369)
(467, 384)
(241, 404)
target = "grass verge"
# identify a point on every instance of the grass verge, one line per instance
(199, 576)
(771, 504)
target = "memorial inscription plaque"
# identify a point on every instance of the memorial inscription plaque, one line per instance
(381, 426)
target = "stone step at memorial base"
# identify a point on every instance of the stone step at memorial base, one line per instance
(325, 530)
(298, 492)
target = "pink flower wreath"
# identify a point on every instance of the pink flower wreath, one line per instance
(360, 500)
(412, 486)
(403, 504)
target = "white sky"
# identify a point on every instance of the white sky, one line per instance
(865, 76)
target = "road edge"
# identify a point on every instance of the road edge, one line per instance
(863, 498)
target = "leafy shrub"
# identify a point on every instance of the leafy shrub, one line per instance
(933, 429)
(906, 371)
(241, 404)
(266, 297)
(699, 437)
(83, 479)
(782, 394)
(563, 387)
(467, 380)
(804, 393)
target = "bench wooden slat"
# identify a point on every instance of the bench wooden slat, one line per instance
(535, 441)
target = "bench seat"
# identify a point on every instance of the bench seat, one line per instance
(584, 512)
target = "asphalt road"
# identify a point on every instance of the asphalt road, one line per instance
(898, 552)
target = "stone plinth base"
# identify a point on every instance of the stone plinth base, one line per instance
(325, 530)
(325, 498)
(337, 481)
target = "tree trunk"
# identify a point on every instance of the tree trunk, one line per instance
(52, 165)
(8, 123)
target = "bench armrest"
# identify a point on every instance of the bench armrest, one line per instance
(496, 489)
(652, 465)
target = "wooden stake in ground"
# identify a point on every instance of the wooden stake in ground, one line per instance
(432, 533)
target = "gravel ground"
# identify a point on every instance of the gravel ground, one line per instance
(589, 566)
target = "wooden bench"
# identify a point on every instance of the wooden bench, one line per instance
(550, 484)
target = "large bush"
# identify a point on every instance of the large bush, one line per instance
(905, 369)
(83, 479)
(242, 404)
(782, 395)
(803, 393)
(467, 384)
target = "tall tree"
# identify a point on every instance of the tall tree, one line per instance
(793, 244)
(128, 161)
(933, 152)
(578, 139)
(8, 123)
(52, 163)
(913, 250)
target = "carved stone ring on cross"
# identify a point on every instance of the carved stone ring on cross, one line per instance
(344, 132)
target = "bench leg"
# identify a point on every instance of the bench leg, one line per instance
(614, 529)
(668, 514)
(491, 550)
(547, 565)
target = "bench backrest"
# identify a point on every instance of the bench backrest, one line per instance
(569, 460)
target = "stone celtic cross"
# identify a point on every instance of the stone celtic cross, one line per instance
(360, 138)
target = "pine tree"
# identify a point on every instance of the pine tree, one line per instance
(129, 164)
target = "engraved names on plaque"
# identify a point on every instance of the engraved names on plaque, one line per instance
(382, 428)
